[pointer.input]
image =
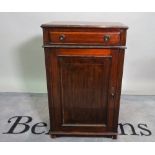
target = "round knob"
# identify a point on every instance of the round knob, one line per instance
(112, 94)
(106, 38)
(62, 37)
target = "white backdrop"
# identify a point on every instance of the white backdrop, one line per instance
(22, 58)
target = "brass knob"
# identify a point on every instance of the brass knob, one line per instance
(62, 37)
(106, 38)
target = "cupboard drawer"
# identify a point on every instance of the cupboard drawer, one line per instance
(103, 38)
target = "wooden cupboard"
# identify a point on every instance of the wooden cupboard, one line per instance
(84, 66)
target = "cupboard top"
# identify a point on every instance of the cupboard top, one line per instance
(85, 25)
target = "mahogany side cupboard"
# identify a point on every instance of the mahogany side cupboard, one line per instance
(84, 66)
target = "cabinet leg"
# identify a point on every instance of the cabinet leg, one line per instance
(53, 136)
(114, 137)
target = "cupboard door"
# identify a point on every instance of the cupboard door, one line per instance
(81, 88)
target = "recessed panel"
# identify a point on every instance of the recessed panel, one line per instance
(84, 84)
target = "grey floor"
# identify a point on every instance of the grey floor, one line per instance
(139, 111)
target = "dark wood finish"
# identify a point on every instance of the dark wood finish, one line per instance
(84, 73)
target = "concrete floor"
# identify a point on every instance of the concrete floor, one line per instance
(139, 111)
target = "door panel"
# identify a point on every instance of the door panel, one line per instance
(81, 87)
(84, 88)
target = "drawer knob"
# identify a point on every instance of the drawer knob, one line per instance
(62, 37)
(106, 38)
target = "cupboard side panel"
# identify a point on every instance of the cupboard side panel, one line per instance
(120, 57)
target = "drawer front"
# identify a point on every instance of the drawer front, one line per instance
(103, 38)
